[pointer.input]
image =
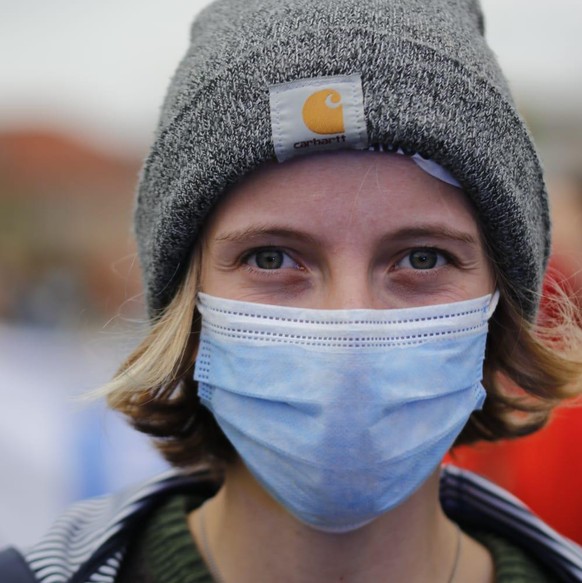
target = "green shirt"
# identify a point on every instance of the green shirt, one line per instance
(166, 553)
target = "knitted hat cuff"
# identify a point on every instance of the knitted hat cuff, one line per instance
(216, 129)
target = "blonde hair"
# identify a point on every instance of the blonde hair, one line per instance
(529, 369)
(155, 390)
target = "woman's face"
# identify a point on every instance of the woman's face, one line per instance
(345, 230)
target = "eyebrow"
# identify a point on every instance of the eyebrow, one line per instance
(259, 231)
(436, 231)
(432, 230)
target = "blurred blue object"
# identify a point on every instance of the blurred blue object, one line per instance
(54, 449)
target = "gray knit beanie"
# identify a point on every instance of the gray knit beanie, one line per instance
(419, 76)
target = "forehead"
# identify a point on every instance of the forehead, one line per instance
(343, 192)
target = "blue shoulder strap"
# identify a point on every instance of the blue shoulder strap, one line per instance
(14, 568)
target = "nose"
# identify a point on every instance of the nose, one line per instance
(351, 292)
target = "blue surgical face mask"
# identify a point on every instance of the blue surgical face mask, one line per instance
(341, 414)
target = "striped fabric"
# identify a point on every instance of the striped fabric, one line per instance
(87, 544)
(473, 499)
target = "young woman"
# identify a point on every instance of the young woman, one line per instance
(343, 229)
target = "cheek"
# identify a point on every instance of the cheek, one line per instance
(488, 275)
(210, 279)
(216, 283)
(219, 282)
(205, 277)
(484, 280)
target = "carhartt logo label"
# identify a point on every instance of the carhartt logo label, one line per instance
(323, 112)
(311, 115)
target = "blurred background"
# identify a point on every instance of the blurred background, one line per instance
(80, 88)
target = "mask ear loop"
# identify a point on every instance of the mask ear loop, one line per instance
(492, 304)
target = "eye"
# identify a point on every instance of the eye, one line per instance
(270, 259)
(423, 259)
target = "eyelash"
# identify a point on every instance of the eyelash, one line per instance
(244, 261)
(449, 260)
